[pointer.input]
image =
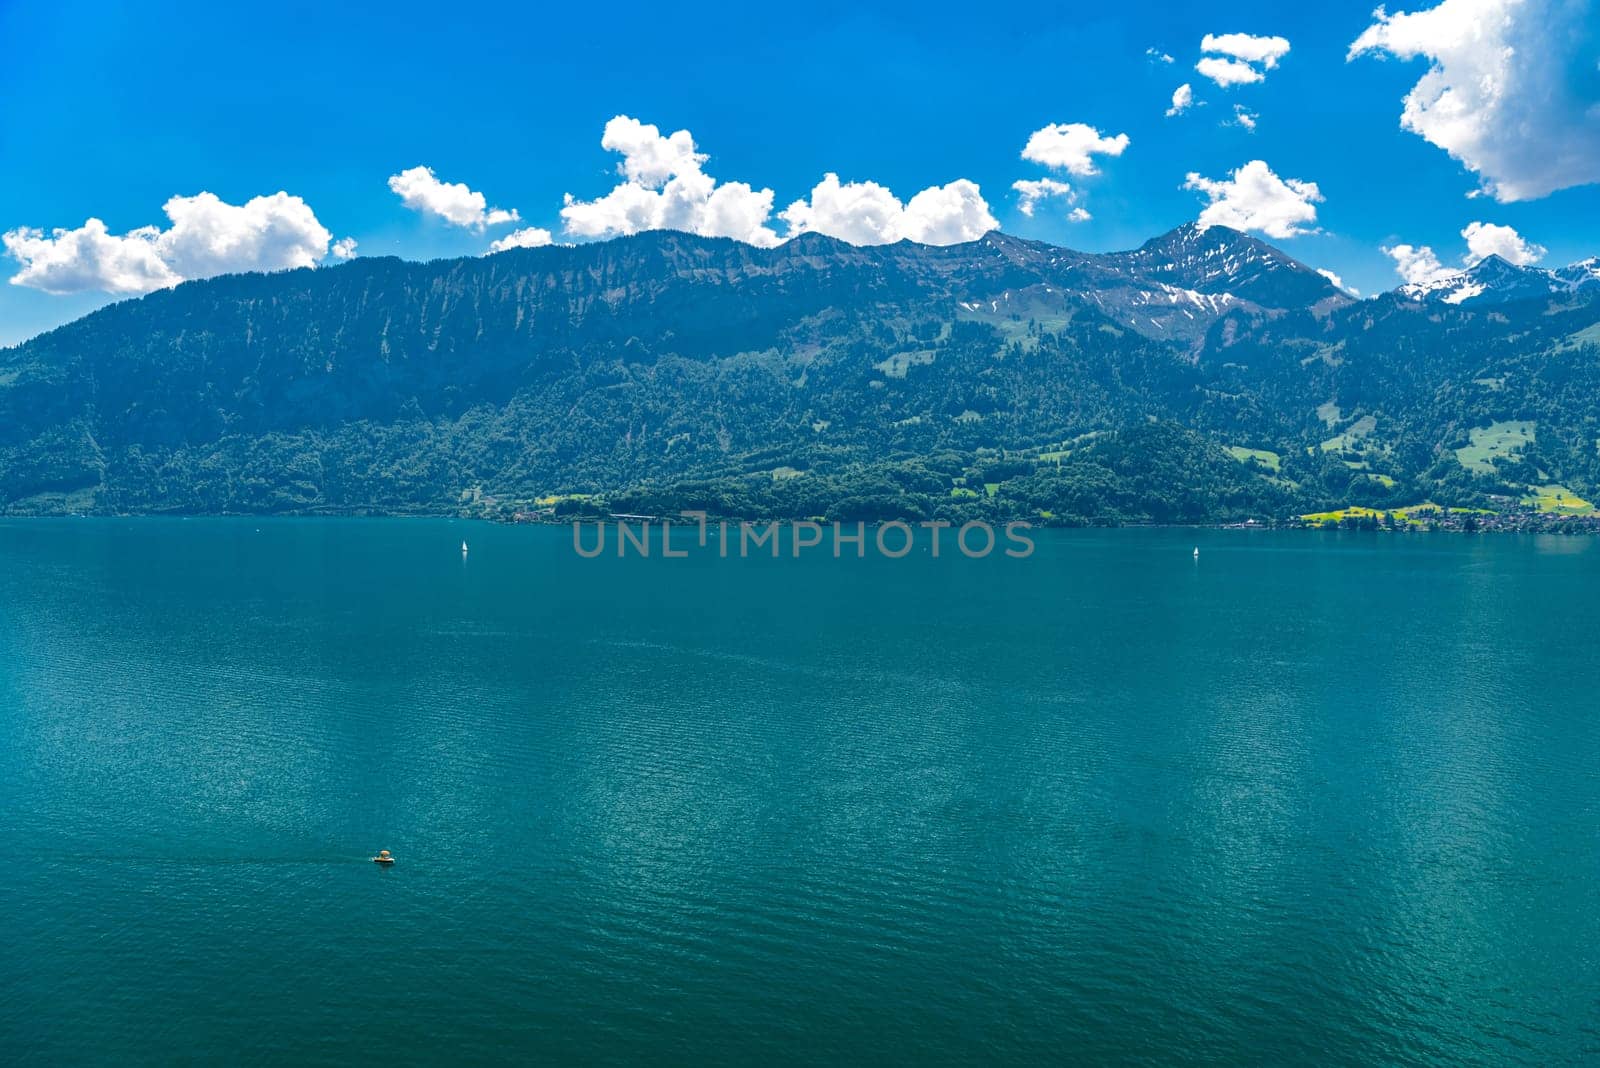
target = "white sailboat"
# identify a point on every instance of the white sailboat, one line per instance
(1196, 551)
(464, 549)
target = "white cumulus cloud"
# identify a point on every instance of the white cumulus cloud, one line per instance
(1243, 116)
(1239, 58)
(88, 258)
(648, 158)
(207, 237)
(948, 214)
(1336, 280)
(527, 237)
(1071, 147)
(343, 249)
(665, 188)
(1226, 72)
(1263, 50)
(866, 213)
(1254, 198)
(421, 190)
(1418, 264)
(863, 213)
(1512, 89)
(1487, 239)
(1158, 56)
(1182, 100)
(1031, 191)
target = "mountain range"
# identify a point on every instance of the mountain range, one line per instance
(1494, 280)
(1205, 375)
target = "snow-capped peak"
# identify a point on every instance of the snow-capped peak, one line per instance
(1493, 280)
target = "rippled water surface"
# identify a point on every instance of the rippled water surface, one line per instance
(1309, 799)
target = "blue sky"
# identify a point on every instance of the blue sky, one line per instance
(112, 110)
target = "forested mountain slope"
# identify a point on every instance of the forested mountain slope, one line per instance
(1205, 375)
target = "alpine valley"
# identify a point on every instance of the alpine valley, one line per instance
(1204, 377)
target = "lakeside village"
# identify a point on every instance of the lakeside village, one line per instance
(1516, 519)
(1414, 519)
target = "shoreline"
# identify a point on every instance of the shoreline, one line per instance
(1458, 523)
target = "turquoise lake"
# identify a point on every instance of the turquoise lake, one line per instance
(1307, 799)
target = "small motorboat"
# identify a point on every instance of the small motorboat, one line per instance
(383, 857)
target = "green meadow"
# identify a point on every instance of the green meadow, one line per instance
(1557, 500)
(1266, 458)
(1497, 441)
(1352, 436)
